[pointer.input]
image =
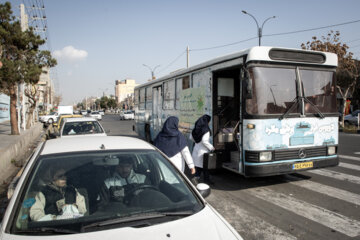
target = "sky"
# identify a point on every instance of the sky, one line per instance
(99, 42)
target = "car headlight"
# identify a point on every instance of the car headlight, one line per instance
(265, 156)
(331, 150)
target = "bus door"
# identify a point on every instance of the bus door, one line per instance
(226, 117)
(156, 111)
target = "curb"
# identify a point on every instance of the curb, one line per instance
(14, 152)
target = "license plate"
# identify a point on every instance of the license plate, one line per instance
(303, 165)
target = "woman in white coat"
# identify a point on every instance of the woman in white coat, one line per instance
(201, 135)
(171, 142)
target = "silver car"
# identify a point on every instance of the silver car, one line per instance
(352, 118)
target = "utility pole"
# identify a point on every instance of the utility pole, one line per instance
(24, 23)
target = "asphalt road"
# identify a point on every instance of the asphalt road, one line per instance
(315, 204)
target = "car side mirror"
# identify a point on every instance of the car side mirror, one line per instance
(203, 189)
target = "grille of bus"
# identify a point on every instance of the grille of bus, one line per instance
(288, 154)
(294, 154)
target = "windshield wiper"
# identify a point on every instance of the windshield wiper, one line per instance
(321, 115)
(295, 103)
(43, 230)
(138, 219)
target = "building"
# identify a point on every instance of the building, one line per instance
(45, 91)
(124, 89)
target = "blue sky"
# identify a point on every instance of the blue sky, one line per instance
(99, 42)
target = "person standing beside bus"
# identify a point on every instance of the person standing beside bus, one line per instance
(171, 142)
(201, 135)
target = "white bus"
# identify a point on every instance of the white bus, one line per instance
(273, 110)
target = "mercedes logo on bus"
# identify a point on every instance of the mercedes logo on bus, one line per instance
(302, 153)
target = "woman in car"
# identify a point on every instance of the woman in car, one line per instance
(57, 200)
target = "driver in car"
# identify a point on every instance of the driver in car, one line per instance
(124, 179)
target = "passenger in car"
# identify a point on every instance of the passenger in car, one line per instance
(171, 142)
(57, 200)
(123, 175)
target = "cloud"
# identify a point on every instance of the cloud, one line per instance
(69, 53)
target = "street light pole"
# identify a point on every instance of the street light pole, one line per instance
(152, 70)
(257, 24)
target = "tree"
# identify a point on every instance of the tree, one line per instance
(347, 72)
(21, 57)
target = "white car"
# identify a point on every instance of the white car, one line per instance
(127, 115)
(95, 115)
(50, 118)
(80, 127)
(163, 205)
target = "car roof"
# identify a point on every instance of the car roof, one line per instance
(80, 119)
(93, 143)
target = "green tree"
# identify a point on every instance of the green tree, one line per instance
(347, 72)
(22, 59)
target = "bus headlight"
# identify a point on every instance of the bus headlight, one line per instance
(331, 150)
(265, 156)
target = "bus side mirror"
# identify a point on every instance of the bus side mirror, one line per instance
(248, 88)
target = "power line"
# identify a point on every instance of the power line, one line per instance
(311, 29)
(225, 45)
(172, 62)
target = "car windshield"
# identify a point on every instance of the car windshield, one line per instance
(274, 90)
(90, 191)
(81, 128)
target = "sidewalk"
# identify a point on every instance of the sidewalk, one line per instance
(14, 149)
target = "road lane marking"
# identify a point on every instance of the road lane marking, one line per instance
(358, 153)
(350, 157)
(349, 166)
(244, 221)
(337, 175)
(315, 213)
(327, 190)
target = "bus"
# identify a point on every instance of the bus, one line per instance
(273, 110)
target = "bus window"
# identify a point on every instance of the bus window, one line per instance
(178, 87)
(148, 98)
(274, 90)
(319, 88)
(142, 99)
(186, 82)
(200, 79)
(136, 97)
(169, 94)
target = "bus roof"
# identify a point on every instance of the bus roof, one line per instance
(265, 54)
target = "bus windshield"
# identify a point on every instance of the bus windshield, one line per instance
(274, 90)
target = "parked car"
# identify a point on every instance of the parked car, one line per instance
(127, 115)
(102, 112)
(164, 204)
(83, 112)
(95, 115)
(50, 118)
(81, 126)
(352, 118)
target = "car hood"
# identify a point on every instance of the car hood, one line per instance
(206, 224)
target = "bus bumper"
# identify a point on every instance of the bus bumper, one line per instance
(260, 170)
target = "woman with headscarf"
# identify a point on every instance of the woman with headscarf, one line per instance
(201, 135)
(171, 142)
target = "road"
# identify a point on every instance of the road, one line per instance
(315, 204)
